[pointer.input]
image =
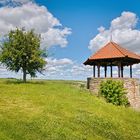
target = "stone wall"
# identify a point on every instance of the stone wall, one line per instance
(130, 84)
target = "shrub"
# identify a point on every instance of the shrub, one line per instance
(114, 92)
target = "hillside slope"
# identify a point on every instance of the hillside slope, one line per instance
(59, 110)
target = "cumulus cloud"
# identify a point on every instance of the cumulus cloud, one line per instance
(54, 37)
(25, 13)
(66, 69)
(14, 2)
(123, 30)
(56, 62)
(127, 20)
(56, 68)
(22, 1)
(32, 16)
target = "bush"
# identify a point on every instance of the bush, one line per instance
(114, 92)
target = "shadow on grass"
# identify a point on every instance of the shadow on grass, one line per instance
(17, 81)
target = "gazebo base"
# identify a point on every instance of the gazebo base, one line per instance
(132, 86)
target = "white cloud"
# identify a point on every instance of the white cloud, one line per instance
(127, 20)
(123, 30)
(101, 29)
(32, 16)
(54, 37)
(56, 62)
(22, 1)
(66, 69)
(56, 68)
(14, 2)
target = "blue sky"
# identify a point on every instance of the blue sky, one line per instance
(84, 17)
(73, 30)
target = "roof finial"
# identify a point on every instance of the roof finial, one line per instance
(111, 37)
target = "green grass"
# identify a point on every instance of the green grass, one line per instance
(60, 110)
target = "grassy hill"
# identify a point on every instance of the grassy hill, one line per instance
(61, 110)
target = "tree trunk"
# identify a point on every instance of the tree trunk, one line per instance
(24, 75)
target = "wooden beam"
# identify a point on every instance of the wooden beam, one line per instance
(126, 61)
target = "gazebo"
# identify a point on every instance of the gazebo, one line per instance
(111, 55)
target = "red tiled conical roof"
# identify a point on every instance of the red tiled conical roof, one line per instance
(112, 51)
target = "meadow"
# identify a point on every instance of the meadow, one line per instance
(61, 110)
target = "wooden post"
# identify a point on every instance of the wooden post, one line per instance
(111, 75)
(119, 68)
(94, 74)
(130, 71)
(121, 71)
(105, 71)
(98, 71)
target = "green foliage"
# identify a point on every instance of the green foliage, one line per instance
(59, 110)
(114, 92)
(21, 51)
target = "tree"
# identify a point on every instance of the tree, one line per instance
(21, 51)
